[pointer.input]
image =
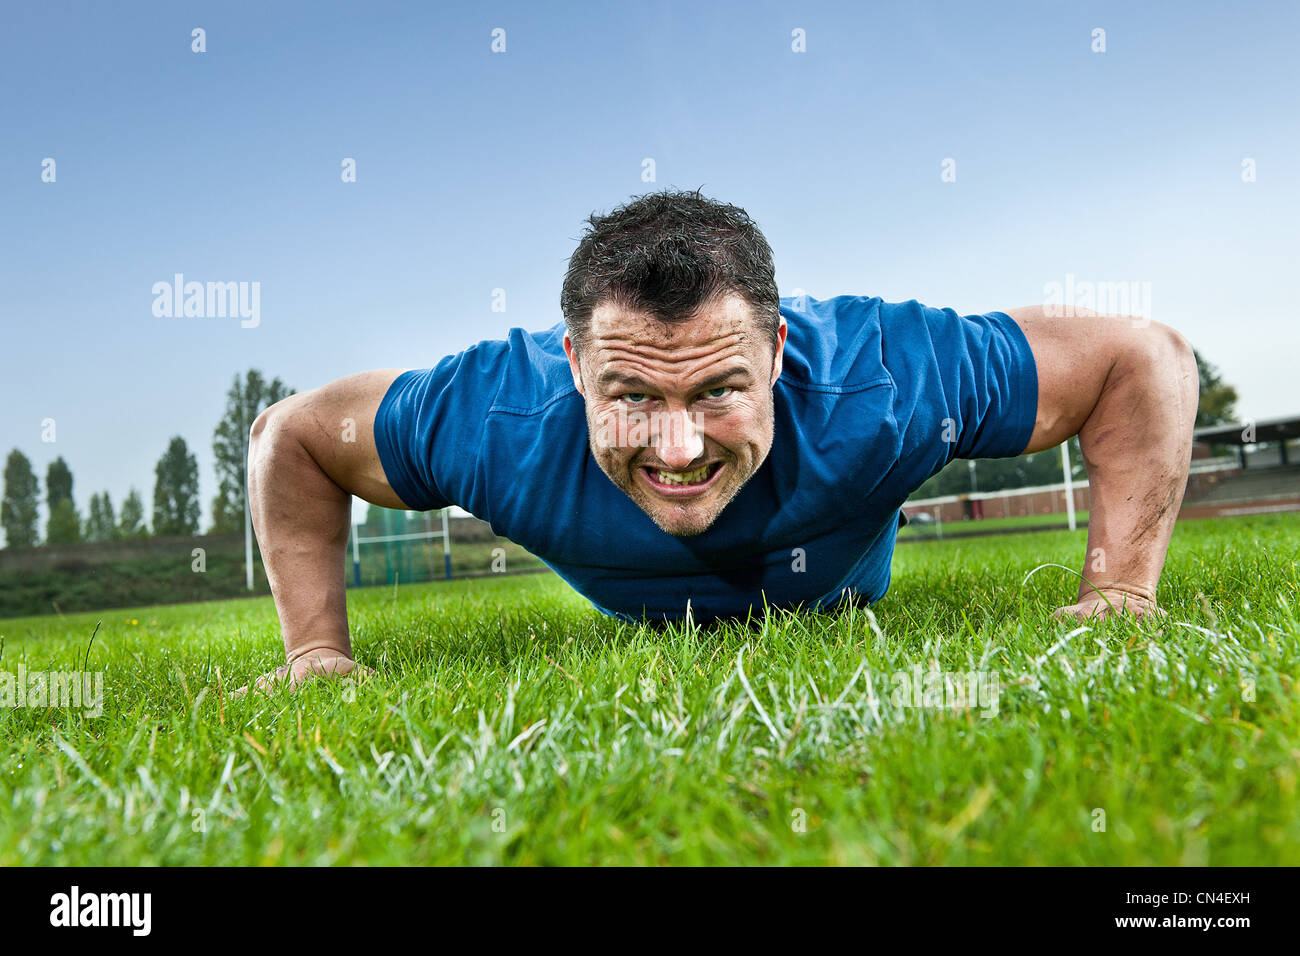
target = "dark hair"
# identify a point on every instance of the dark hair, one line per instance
(669, 253)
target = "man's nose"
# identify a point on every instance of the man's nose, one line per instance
(679, 441)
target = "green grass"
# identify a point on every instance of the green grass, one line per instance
(509, 723)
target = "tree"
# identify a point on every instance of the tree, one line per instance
(247, 398)
(18, 508)
(176, 491)
(1218, 402)
(100, 523)
(131, 522)
(58, 482)
(94, 519)
(109, 520)
(64, 526)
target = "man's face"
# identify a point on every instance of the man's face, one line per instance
(679, 415)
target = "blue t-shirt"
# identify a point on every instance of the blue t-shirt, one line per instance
(873, 398)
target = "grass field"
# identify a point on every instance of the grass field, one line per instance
(509, 723)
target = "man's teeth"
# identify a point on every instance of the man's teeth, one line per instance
(683, 477)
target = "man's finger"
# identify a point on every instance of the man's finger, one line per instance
(1079, 612)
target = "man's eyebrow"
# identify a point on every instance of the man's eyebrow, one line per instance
(713, 381)
(608, 378)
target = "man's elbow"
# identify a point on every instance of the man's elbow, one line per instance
(269, 436)
(1175, 341)
(1180, 356)
(1172, 360)
(270, 420)
(1156, 347)
(260, 424)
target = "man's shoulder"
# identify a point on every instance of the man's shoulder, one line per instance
(834, 344)
(524, 373)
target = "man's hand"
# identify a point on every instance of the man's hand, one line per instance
(305, 668)
(1110, 602)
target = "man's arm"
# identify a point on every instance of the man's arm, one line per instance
(307, 456)
(1129, 389)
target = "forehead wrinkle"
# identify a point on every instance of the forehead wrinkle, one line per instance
(730, 340)
(637, 344)
(634, 351)
(694, 365)
(675, 337)
(719, 319)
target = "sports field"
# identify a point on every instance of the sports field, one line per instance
(509, 723)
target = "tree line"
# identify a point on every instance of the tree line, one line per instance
(175, 490)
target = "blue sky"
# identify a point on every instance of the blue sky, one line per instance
(476, 169)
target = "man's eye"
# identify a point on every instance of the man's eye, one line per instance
(635, 398)
(720, 392)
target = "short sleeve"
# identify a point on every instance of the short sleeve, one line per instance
(429, 426)
(997, 398)
(967, 385)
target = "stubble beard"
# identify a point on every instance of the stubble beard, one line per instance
(693, 521)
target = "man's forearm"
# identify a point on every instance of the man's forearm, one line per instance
(1136, 444)
(302, 519)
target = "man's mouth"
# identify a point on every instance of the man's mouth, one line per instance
(682, 484)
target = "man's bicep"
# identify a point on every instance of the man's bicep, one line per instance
(335, 424)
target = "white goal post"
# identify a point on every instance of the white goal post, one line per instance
(358, 539)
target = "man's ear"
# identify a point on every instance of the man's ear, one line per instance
(780, 351)
(574, 365)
